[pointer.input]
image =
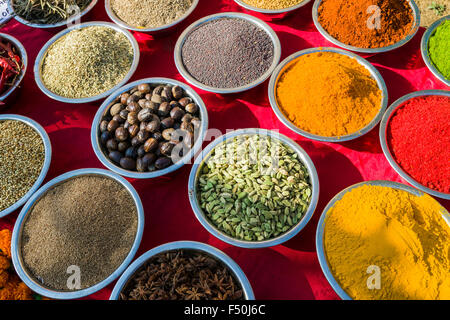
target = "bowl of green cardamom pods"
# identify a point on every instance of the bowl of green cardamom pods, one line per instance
(253, 188)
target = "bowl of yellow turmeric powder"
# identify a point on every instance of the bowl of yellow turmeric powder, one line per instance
(383, 240)
(328, 94)
(277, 9)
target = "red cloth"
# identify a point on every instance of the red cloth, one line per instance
(288, 271)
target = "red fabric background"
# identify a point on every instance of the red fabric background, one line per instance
(288, 271)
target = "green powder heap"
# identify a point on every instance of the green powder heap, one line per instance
(87, 62)
(439, 49)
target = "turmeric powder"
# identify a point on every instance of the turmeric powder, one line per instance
(11, 288)
(328, 94)
(405, 236)
(273, 4)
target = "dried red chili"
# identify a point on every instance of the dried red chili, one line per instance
(418, 136)
(10, 65)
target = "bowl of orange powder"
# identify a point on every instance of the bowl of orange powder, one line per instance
(363, 26)
(328, 94)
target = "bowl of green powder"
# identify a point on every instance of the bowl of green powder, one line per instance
(253, 188)
(149, 16)
(435, 49)
(86, 62)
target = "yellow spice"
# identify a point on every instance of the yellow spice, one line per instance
(273, 4)
(404, 235)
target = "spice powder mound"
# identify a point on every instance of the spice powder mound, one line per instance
(86, 62)
(22, 155)
(182, 275)
(328, 94)
(403, 236)
(150, 13)
(355, 22)
(418, 135)
(89, 222)
(273, 4)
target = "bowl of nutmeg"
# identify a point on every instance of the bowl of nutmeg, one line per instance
(149, 128)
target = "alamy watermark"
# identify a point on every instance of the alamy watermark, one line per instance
(374, 280)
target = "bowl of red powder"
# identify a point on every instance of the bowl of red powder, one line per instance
(362, 26)
(415, 138)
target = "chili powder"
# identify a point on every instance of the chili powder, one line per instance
(418, 135)
(355, 22)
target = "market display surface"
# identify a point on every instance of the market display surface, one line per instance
(245, 201)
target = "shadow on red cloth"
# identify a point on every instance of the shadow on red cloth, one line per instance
(336, 172)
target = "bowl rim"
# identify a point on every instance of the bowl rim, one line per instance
(16, 236)
(363, 62)
(186, 245)
(320, 232)
(24, 58)
(148, 175)
(112, 15)
(271, 11)
(424, 49)
(385, 146)
(45, 166)
(42, 53)
(53, 25)
(237, 15)
(303, 157)
(414, 28)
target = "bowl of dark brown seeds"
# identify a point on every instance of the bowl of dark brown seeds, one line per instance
(183, 270)
(149, 128)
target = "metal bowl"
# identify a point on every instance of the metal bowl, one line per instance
(71, 20)
(212, 229)
(189, 246)
(45, 166)
(9, 95)
(282, 117)
(43, 52)
(384, 144)
(259, 23)
(272, 12)
(409, 36)
(95, 133)
(16, 253)
(424, 49)
(323, 219)
(153, 30)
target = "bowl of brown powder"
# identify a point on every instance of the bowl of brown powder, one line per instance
(77, 233)
(86, 62)
(150, 16)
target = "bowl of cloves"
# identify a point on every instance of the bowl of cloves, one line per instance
(13, 64)
(149, 128)
(183, 270)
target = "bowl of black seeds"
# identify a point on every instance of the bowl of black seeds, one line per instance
(77, 234)
(183, 270)
(227, 53)
(149, 128)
